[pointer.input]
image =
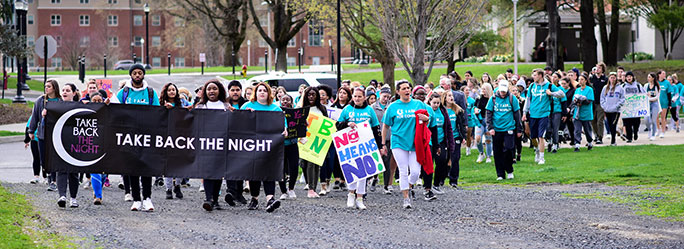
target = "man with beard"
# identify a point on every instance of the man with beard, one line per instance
(137, 92)
(235, 100)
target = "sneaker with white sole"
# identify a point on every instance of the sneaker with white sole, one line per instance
(291, 194)
(147, 205)
(662, 135)
(510, 176)
(201, 188)
(489, 160)
(137, 206)
(128, 197)
(536, 156)
(86, 184)
(61, 202)
(480, 158)
(323, 192)
(437, 190)
(306, 187)
(386, 190)
(419, 182)
(284, 196)
(359, 203)
(499, 178)
(35, 180)
(351, 197)
(73, 203)
(541, 161)
(467, 151)
(429, 196)
(407, 203)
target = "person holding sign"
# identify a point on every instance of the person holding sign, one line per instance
(400, 118)
(358, 111)
(612, 99)
(69, 93)
(291, 158)
(632, 87)
(171, 99)
(503, 121)
(262, 100)
(312, 101)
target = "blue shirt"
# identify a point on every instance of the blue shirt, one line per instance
(503, 118)
(539, 101)
(259, 107)
(665, 88)
(358, 115)
(452, 119)
(470, 111)
(401, 118)
(677, 91)
(140, 97)
(557, 102)
(439, 122)
(585, 112)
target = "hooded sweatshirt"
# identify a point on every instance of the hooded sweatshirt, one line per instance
(422, 143)
(612, 101)
(137, 96)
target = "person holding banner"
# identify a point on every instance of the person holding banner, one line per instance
(357, 112)
(262, 100)
(235, 100)
(632, 87)
(504, 124)
(400, 118)
(69, 93)
(37, 125)
(171, 99)
(583, 112)
(312, 101)
(612, 99)
(653, 90)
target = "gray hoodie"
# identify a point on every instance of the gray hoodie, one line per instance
(612, 101)
(633, 88)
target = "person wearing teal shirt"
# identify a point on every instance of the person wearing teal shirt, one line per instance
(290, 164)
(583, 113)
(676, 103)
(357, 112)
(667, 91)
(471, 119)
(262, 100)
(503, 121)
(457, 127)
(559, 105)
(538, 105)
(400, 118)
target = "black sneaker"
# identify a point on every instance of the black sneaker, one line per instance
(577, 149)
(599, 141)
(230, 199)
(629, 141)
(121, 186)
(169, 194)
(272, 205)
(343, 186)
(207, 206)
(636, 136)
(62, 201)
(429, 196)
(517, 158)
(241, 199)
(413, 194)
(159, 182)
(177, 190)
(216, 206)
(590, 146)
(336, 186)
(253, 204)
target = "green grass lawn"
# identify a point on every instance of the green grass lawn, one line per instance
(10, 133)
(9, 101)
(218, 69)
(34, 85)
(22, 227)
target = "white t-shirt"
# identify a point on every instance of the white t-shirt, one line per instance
(218, 105)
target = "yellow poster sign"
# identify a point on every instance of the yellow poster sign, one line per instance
(314, 147)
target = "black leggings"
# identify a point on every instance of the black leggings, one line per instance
(146, 187)
(36, 159)
(212, 188)
(631, 127)
(674, 114)
(52, 177)
(441, 167)
(291, 168)
(613, 118)
(255, 188)
(503, 159)
(67, 178)
(454, 172)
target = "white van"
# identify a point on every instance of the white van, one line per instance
(292, 81)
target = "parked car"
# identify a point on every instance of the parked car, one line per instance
(126, 64)
(291, 82)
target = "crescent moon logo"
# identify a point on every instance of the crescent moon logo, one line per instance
(57, 140)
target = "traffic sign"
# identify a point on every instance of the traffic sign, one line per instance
(202, 57)
(41, 42)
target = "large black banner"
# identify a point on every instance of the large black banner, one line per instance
(155, 141)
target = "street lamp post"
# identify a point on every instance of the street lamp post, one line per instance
(339, 42)
(332, 56)
(515, 36)
(249, 53)
(147, 30)
(168, 62)
(142, 53)
(105, 65)
(21, 7)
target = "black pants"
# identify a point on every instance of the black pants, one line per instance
(613, 118)
(52, 176)
(631, 127)
(455, 171)
(674, 114)
(146, 187)
(387, 160)
(441, 166)
(518, 145)
(255, 188)
(36, 159)
(127, 184)
(234, 187)
(212, 188)
(503, 159)
(67, 178)
(571, 128)
(337, 168)
(291, 168)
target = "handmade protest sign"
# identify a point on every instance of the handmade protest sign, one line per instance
(296, 121)
(105, 84)
(358, 153)
(334, 113)
(146, 140)
(636, 105)
(314, 147)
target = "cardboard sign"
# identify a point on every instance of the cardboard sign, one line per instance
(636, 105)
(358, 153)
(296, 121)
(105, 84)
(334, 113)
(314, 147)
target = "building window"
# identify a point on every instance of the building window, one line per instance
(30, 19)
(112, 1)
(180, 42)
(138, 41)
(137, 20)
(31, 62)
(156, 62)
(59, 40)
(84, 20)
(315, 33)
(113, 41)
(156, 20)
(56, 62)
(315, 60)
(55, 20)
(178, 22)
(138, 1)
(291, 61)
(30, 40)
(85, 1)
(292, 43)
(179, 62)
(262, 43)
(112, 20)
(262, 61)
(85, 41)
(56, 1)
(156, 41)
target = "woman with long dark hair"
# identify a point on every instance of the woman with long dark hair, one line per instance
(566, 120)
(612, 99)
(344, 95)
(37, 125)
(311, 100)
(583, 112)
(69, 93)
(291, 168)
(653, 90)
(170, 99)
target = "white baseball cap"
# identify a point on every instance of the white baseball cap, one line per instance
(503, 86)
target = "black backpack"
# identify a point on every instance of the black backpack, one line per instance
(150, 94)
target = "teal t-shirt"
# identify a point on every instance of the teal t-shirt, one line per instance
(452, 119)
(540, 103)
(504, 120)
(439, 122)
(557, 102)
(259, 107)
(140, 97)
(677, 91)
(665, 88)
(358, 115)
(236, 106)
(585, 112)
(401, 119)
(472, 118)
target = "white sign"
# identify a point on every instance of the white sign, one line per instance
(358, 153)
(203, 57)
(51, 46)
(334, 113)
(636, 105)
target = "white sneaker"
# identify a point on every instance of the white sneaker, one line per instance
(291, 194)
(128, 197)
(541, 161)
(359, 203)
(137, 206)
(35, 180)
(489, 160)
(662, 134)
(301, 179)
(510, 176)
(306, 187)
(480, 158)
(351, 197)
(73, 203)
(86, 184)
(499, 178)
(651, 138)
(201, 188)
(419, 182)
(322, 192)
(467, 151)
(284, 196)
(536, 157)
(147, 205)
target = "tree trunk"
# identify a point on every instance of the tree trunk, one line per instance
(609, 42)
(588, 37)
(281, 58)
(451, 63)
(227, 53)
(554, 28)
(387, 71)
